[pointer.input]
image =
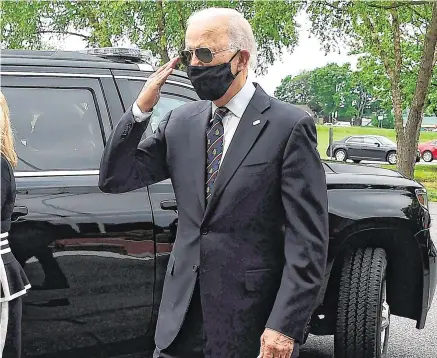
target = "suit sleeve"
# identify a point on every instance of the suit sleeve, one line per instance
(6, 182)
(304, 197)
(129, 163)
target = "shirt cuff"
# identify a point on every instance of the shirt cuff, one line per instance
(138, 115)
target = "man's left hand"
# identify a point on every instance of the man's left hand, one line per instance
(275, 345)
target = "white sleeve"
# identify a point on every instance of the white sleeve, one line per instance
(138, 115)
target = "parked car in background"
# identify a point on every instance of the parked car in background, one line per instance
(428, 150)
(365, 147)
(342, 124)
(97, 261)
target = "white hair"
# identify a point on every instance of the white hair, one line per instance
(239, 30)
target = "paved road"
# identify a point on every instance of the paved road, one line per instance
(405, 340)
(381, 163)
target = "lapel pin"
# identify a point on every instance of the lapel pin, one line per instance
(256, 122)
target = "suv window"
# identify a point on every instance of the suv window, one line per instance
(55, 128)
(166, 103)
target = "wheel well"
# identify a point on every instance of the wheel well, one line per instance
(389, 152)
(404, 275)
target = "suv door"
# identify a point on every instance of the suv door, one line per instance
(174, 93)
(88, 255)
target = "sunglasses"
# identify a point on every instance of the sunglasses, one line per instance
(204, 54)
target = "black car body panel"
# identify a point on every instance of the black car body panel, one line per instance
(97, 261)
(364, 147)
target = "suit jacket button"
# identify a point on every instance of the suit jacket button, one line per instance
(204, 231)
(195, 268)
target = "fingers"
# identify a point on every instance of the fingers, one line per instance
(162, 76)
(150, 93)
(170, 64)
(261, 352)
(269, 350)
(273, 353)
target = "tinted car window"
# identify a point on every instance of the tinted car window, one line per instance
(166, 103)
(355, 140)
(386, 141)
(55, 128)
(370, 140)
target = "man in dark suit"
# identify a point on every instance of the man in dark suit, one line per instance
(251, 246)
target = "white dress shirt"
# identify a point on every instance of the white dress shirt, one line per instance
(138, 115)
(237, 105)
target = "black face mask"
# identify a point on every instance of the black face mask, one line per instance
(212, 82)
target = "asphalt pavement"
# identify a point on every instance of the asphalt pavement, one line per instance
(434, 162)
(405, 340)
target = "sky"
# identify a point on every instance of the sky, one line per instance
(307, 55)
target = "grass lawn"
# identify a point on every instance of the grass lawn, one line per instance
(341, 132)
(426, 175)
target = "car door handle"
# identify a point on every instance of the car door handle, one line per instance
(169, 204)
(18, 212)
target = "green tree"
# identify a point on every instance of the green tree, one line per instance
(398, 42)
(331, 86)
(158, 26)
(298, 90)
(387, 122)
(328, 90)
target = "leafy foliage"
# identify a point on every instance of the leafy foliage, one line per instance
(327, 90)
(158, 26)
(397, 41)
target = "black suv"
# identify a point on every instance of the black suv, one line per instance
(97, 261)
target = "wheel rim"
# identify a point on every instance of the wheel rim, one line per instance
(427, 157)
(385, 322)
(340, 155)
(392, 158)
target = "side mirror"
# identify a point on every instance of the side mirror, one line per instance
(169, 205)
(377, 144)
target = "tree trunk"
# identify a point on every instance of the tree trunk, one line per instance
(403, 142)
(163, 52)
(408, 149)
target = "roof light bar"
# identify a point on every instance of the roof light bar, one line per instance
(129, 54)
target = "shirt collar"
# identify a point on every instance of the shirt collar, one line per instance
(238, 104)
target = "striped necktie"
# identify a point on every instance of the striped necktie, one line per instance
(214, 148)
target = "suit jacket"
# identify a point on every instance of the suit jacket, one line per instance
(260, 245)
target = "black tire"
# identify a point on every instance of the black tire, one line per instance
(360, 306)
(357, 161)
(392, 157)
(427, 156)
(341, 152)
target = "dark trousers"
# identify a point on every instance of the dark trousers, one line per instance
(190, 341)
(13, 335)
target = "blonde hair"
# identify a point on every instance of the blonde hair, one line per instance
(7, 138)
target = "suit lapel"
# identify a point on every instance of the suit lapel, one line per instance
(249, 128)
(198, 149)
